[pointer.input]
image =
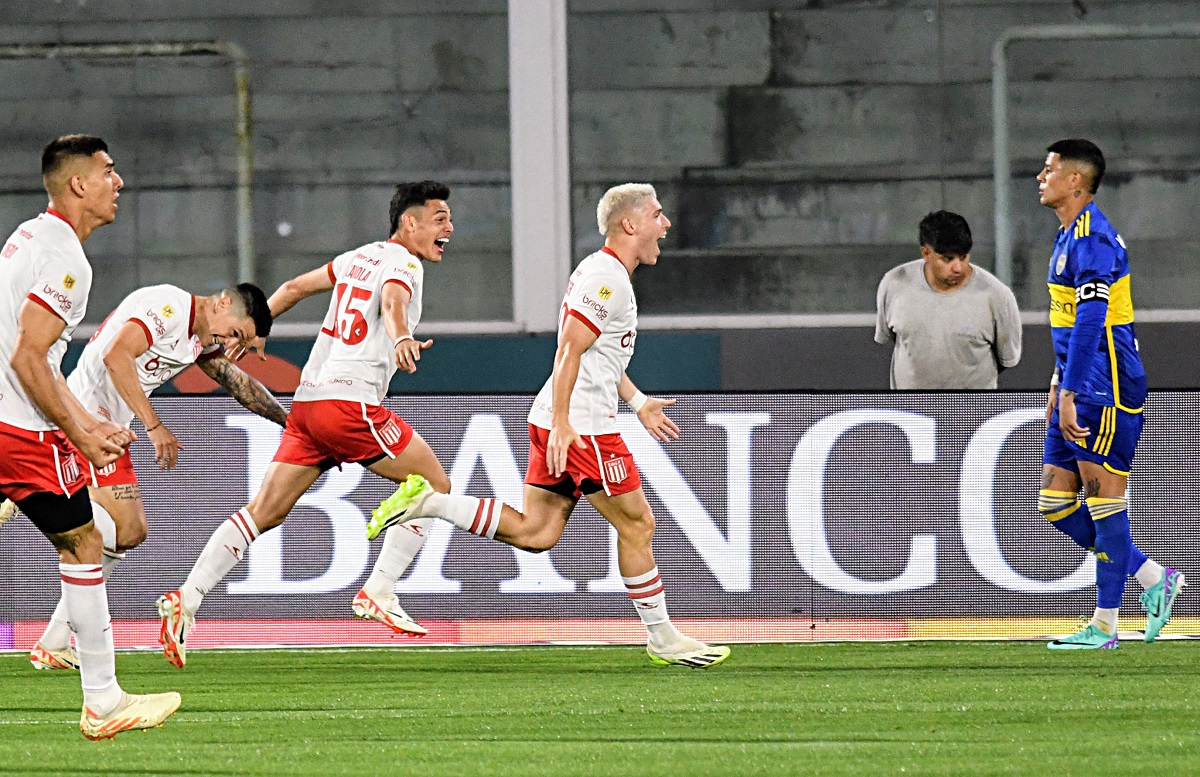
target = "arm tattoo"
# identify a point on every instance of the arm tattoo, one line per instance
(251, 394)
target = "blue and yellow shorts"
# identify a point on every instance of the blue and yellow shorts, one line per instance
(1112, 439)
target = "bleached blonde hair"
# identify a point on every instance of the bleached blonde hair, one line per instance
(619, 200)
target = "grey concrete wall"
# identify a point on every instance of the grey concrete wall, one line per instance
(795, 144)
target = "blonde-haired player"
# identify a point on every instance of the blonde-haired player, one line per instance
(574, 447)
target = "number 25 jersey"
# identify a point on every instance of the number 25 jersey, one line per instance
(353, 358)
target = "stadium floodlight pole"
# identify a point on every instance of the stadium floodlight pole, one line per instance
(1001, 162)
(241, 68)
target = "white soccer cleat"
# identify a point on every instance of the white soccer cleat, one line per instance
(135, 711)
(388, 612)
(176, 623)
(45, 658)
(696, 655)
(7, 511)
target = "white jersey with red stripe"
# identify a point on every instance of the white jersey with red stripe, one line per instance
(353, 358)
(166, 315)
(600, 294)
(43, 262)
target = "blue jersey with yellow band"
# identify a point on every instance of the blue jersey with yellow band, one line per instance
(1091, 315)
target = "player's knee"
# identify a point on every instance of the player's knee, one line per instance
(131, 535)
(639, 531)
(1055, 505)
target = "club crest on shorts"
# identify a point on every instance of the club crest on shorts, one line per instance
(614, 470)
(70, 468)
(390, 433)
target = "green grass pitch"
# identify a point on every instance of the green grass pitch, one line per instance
(876, 708)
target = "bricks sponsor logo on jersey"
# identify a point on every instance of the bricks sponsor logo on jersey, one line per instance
(64, 302)
(601, 311)
(160, 326)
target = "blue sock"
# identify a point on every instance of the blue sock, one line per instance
(1136, 558)
(1114, 546)
(1070, 516)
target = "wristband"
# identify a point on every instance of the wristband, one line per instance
(637, 401)
(1054, 380)
(401, 339)
(152, 428)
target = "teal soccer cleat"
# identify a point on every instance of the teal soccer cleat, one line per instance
(1157, 601)
(1091, 638)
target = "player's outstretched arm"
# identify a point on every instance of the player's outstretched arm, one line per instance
(37, 330)
(283, 300)
(249, 393)
(650, 410)
(298, 288)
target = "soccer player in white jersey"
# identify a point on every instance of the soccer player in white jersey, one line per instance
(152, 336)
(574, 447)
(337, 416)
(45, 278)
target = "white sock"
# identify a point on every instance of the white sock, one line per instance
(87, 604)
(105, 525)
(401, 544)
(469, 513)
(224, 550)
(1106, 619)
(1149, 574)
(57, 635)
(648, 597)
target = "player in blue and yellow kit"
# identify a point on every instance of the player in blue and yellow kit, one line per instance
(1094, 419)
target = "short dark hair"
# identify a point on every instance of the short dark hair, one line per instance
(60, 149)
(409, 195)
(946, 233)
(254, 300)
(1085, 151)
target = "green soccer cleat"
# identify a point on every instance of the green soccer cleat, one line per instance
(1091, 638)
(402, 506)
(706, 656)
(1157, 601)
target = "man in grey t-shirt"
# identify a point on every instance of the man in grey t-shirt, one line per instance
(954, 326)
